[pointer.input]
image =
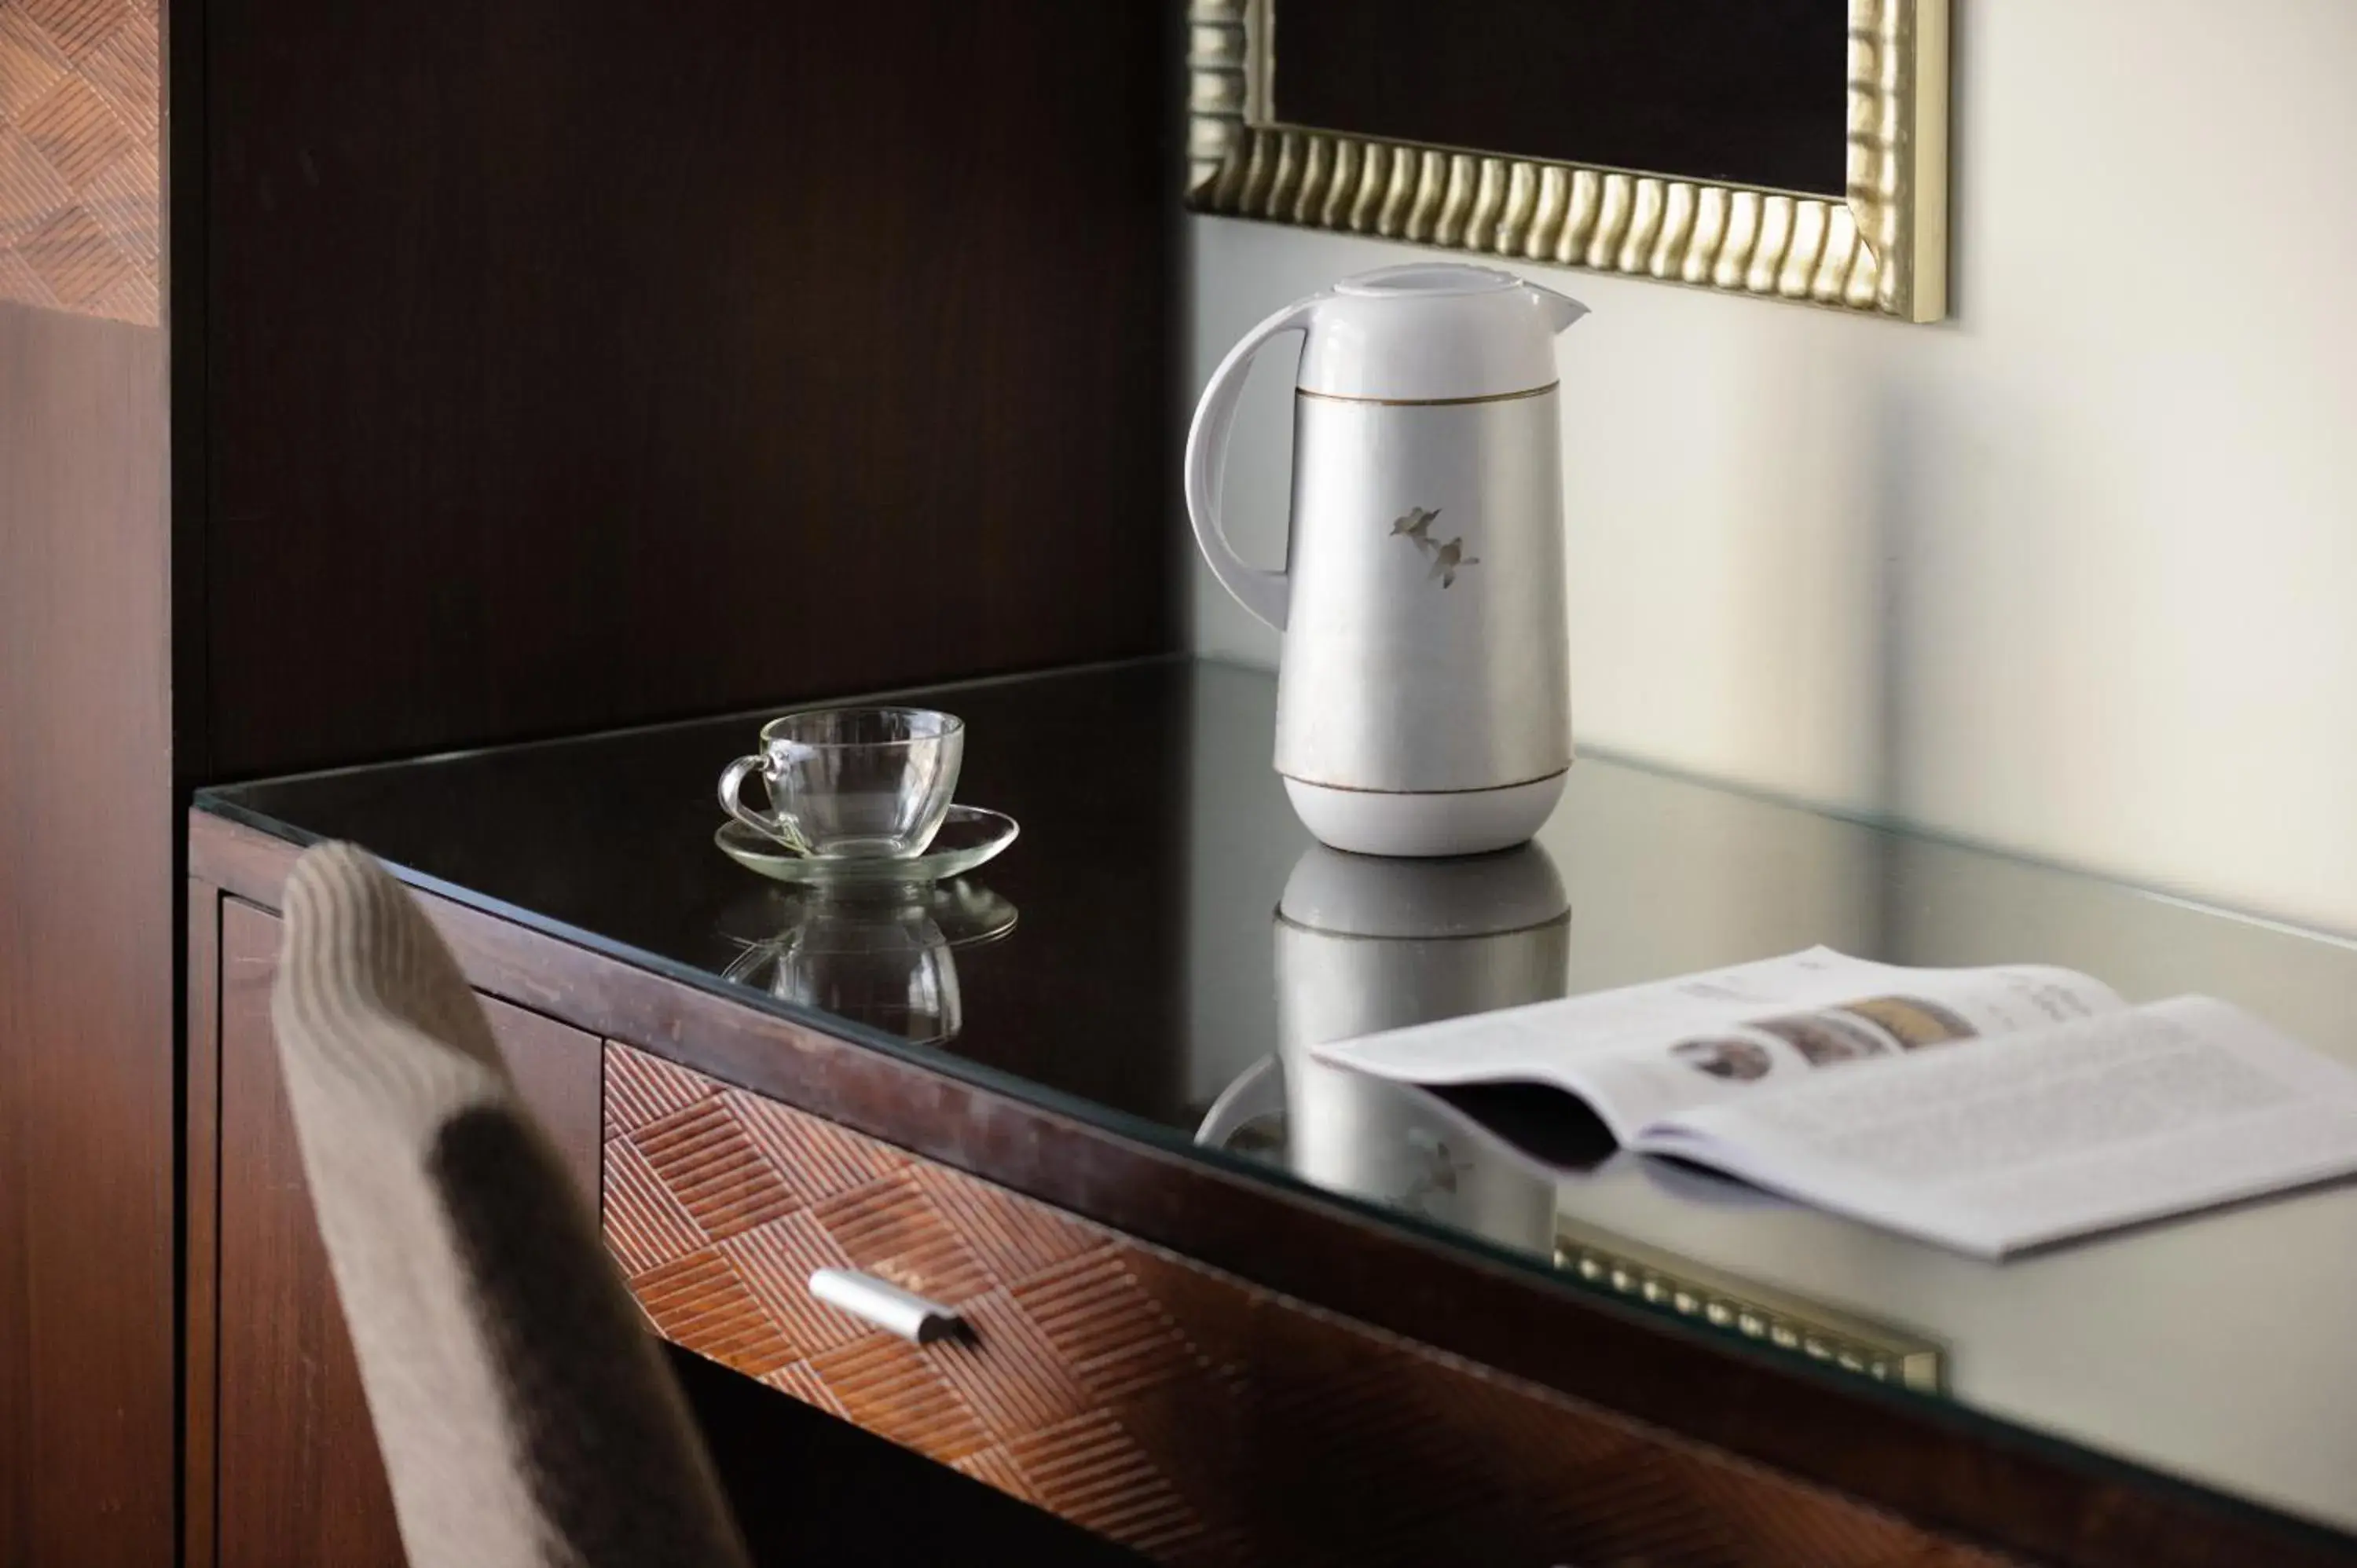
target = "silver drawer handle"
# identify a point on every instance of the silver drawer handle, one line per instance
(888, 1306)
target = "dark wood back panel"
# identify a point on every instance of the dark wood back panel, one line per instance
(573, 364)
(87, 830)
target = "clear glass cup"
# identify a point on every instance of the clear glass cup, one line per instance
(851, 783)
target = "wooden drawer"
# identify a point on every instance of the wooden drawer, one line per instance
(1182, 1412)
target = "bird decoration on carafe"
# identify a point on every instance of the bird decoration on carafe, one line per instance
(1449, 556)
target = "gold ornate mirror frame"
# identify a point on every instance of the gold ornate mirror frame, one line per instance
(1883, 251)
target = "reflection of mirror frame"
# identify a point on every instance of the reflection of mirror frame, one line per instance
(1841, 1340)
(1882, 251)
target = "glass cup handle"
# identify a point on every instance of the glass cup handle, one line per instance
(774, 825)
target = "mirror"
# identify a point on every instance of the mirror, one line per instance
(1794, 149)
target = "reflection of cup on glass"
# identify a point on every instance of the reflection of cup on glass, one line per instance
(851, 783)
(1366, 944)
(882, 956)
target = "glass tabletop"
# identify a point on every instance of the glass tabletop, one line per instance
(1163, 942)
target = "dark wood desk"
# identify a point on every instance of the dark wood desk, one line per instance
(1212, 1352)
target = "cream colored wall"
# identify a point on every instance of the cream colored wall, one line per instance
(2072, 574)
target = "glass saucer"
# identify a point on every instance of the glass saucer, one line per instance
(969, 836)
(834, 919)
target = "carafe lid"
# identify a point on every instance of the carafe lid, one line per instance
(1434, 332)
(1426, 280)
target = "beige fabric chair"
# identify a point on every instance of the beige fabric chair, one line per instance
(526, 1415)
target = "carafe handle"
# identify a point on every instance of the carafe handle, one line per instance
(1264, 593)
(1257, 1091)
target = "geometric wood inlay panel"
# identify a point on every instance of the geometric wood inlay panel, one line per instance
(80, 164)
(1186, 1413)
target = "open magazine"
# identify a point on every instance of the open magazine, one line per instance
(1988, 1109)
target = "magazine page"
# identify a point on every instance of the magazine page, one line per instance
(1649, 1051)
(2042, 1136)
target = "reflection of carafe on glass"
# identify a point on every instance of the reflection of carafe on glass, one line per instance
(1366, 944)
(880, 956)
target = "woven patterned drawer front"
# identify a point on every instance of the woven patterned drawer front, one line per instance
(80, 164)
(1175, 1408)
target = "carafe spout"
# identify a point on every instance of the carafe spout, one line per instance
(1561, 310)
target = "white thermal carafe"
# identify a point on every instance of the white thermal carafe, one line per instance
(1424, 701)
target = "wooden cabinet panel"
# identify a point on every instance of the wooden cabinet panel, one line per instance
(299, 1479)
(1184, 1413)
(86, 888)
(559, 1074)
